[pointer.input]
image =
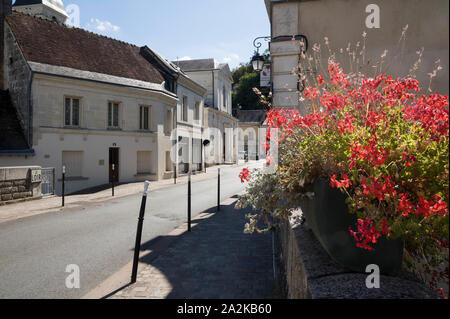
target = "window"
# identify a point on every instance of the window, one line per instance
(144, 118)
(144, 162)
(73, 161)
(72, 112)
(224, 97)
(185, 108)
(113, 115)
(169, 164)
(169, 120)
(197, 111)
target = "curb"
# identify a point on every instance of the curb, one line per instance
(121, 279)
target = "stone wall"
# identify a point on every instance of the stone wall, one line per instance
(343, 22)
(307, 272)
(18, 78)
(15, 184)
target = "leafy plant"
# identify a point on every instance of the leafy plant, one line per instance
(382, 144)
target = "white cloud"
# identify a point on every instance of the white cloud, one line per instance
(185, 58)
(102, 26)
(231, 58)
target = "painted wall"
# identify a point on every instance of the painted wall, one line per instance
(344, 21)
(51, 138)
(216, 124)
(214, 94)
(189, 153)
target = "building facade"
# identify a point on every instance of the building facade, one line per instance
(343, 22)
(190, 119)
(104, 109)
(252, 134)
(219, 126)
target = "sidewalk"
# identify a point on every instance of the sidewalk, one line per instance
(53, 203)
(215, 261)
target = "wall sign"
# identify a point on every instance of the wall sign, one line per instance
(36, 175)
(265, 76)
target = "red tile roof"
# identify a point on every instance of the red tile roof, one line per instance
(48, 42)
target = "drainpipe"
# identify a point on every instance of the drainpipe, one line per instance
(214, 91)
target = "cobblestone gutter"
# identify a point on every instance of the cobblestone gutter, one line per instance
(307, 272)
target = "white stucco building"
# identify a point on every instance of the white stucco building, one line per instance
(87, 102)
(220, 127)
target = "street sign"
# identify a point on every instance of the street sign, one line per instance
(36, 175)
(265, 76)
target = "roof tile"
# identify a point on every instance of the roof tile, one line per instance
(49, 42)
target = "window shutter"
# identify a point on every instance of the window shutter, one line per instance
(109, 114)
(73, 162)
(67, 120)
(144, 162)
(75, 112)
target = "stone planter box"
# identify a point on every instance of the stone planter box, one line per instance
(328, 217)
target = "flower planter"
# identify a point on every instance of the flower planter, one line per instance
(328, 216)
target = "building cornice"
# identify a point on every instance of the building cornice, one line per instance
(68, 73)
(222, 113)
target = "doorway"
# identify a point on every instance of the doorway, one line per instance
(114, 160)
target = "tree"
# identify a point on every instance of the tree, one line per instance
(244, 96)
(245, 80)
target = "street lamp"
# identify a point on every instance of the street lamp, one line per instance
(258, 62)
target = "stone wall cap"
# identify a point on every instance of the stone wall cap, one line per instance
(328, 279)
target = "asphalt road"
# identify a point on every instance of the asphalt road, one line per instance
(35, 251)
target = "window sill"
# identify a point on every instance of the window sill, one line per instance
(74, 179)
(114, 129)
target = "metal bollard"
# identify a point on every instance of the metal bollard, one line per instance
(218, 190)
(137, 246)
(113, 177)
(175, 174)
(189, 202)
(63, 184)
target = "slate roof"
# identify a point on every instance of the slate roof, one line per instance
(49, 42)
(251, 116)
(196, 65)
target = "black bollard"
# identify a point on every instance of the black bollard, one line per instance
(137, 247)
(113, 177)
(218, 190)
(63, 184)
(189, 202)
(175, 174)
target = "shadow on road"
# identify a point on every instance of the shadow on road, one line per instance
(215, 261)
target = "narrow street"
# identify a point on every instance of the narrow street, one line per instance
(35, 251)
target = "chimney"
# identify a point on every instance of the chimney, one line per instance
(5, 9)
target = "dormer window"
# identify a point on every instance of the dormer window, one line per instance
(170, 85)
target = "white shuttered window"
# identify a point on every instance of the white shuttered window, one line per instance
(144, 162)
(73, 161)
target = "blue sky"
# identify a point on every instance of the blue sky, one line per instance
(223, 30)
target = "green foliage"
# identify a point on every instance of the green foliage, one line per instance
(245, 79)
(245, 96)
